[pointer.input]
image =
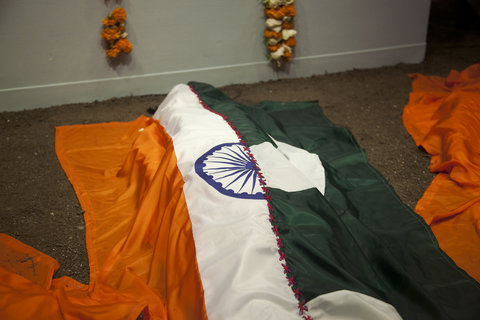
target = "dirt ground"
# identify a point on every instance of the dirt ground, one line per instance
(39, 206)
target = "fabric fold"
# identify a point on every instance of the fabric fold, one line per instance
(138, 232)
(443, 117)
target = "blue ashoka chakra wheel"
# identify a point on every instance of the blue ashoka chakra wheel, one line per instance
(229, 170)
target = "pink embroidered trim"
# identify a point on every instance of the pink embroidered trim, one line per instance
(303, 309)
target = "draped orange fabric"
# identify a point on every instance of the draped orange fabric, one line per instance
(443, 116)
(138, 233)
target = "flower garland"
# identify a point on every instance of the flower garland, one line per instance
(114, 32)
(279, 32)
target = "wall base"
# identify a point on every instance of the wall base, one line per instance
(16, 99)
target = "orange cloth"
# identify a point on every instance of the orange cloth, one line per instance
(443, 116)
(138, 233)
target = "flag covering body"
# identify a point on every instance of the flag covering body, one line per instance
(224, 211)
(443, 117)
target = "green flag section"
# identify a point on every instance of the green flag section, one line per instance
(358, 235)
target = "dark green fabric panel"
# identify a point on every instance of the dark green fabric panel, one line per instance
(409, 269)
(243, 121)
(330, 250)
(358, 236)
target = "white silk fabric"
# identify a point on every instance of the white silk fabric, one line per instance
(236, 249)
(235, 246)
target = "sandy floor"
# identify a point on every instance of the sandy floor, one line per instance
(39, 206)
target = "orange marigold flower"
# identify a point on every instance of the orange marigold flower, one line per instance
(289, 10)
(119, 15)
(113, 53)
(111, 34)
(281, 12)
(272, 34)
(274, 13)
(287, 55)
(291, 42)
(123, 45)
(273, 48)
(108, 21)
(287, 25)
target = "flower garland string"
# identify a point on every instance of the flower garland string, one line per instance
(279, 32)
(114, 32)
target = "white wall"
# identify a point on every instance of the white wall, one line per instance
(51, 51)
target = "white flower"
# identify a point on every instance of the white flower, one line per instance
(273, 3)
(272, 41)
(287, 48)
(276, 3)
(124, 35)
(277, 29)
(286, 34)
(278, 53)
(271, 23)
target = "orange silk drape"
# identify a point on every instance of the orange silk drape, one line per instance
(138, 233)
(443, 116)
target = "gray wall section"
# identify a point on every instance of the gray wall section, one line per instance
(51, 51)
